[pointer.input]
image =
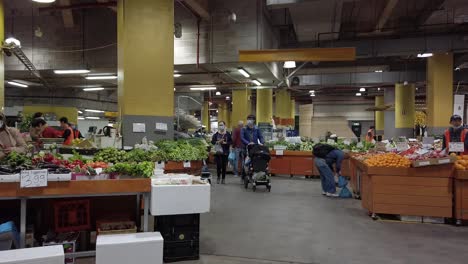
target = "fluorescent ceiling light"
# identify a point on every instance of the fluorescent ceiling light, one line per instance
(312, 91)
(256, 82)
(378, 71)
(218, 93)
(289, 64)
(424, 55)
(15, 41)
(81, 118)
(93, 89)
(44, 1)
(358, 94)
(105, 77)
(80, 112)
(244, 72)
(202, 88)
(17, 84)
(312, 94)
(94, 111)
(177, 75)
(93, 117)
(174, 89)
(71, 71)
(362, 89)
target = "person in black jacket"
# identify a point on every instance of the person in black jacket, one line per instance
(221, 138)
(325, 157)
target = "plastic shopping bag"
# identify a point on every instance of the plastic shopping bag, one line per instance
(232, 156)
(342, 181)
(345, 193)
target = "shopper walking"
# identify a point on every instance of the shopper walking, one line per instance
(238, 147)
(455, 134)
(222, 141)
(325, 157)
(250, 134)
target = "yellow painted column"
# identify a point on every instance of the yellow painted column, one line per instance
(439, 92)
(222, 113)
(2, 64)
(241, 105)
(264, 106)
(205, 116)
(404, 109)
(283, 104)
(145, 37)
(293, 108)
(379, 116)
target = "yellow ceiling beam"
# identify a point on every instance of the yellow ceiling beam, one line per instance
(314, 54)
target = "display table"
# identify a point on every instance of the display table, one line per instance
(299, 163)
(72, 189)
(424, 191)
(461, 196)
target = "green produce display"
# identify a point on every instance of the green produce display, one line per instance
(111, 155)
(139, 155)
(180, 150)
(15, 159)
(142, 169)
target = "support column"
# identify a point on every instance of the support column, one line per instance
(2, 65)
(145, 68)
(241, 106)
(283, 104)
(439, 93)
(404, 109)
(223, 113)
(379, 116)
(293, 108)
(264, 105)
(389, 116)
(205, 116)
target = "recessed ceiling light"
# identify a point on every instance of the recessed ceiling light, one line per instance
(174, 89)
(417, 88)
(218, 93)
(177, 75)
(81, 118)
(44, 1)
(289, 64)
(227, 97)
(424, 55)
(256, 82)
(93, 117)
(17, 84)
(107, 77)
(358, 94)
(93, 89)
(378, 71)
(362, 89)
(15, 41)
(457, 69)
(202, 88)
(71, 71)
(94, 111)
(378, 89)
(244, 72)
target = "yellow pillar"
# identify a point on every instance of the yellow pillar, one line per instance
(293, 108)
(283, 104)
(379, 116)
(404, 109)
(145, 36)
(439, 93)
(223, 113)
(264, 107)
(241, 106)
(205, 116)
(2, 65)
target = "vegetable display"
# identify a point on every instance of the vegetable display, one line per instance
(144, 169)
(181, 150)
(111, 155)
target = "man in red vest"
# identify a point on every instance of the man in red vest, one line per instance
(455, 134)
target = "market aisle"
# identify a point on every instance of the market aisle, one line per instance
(294, 223)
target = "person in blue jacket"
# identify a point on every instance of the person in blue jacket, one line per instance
(250, 134)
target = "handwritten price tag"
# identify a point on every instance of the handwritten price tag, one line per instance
(279, 152)
(456, 147)
(33, 178)
(159, 165)
(187, 164)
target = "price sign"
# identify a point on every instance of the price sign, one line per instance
(347, 142)
(444, 161)
(187, 164)
(159, 165)
(33, 178)
(402, 146)
(456, 147)
(331, 142)
(279, 152)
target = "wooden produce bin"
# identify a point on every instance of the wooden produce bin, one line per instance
(424, 191)
(461, 196)
(292, 163)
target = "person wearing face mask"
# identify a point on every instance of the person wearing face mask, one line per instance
(10, 139)
(251, 135)
(456, 133)
(223, 140)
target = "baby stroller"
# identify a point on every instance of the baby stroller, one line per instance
(256, 167)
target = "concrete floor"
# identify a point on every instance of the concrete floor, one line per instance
(296, 224)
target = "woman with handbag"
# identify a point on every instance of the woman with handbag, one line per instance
(221, 140)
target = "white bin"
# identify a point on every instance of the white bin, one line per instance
(180, 199)
(36, 255)
(130, 248)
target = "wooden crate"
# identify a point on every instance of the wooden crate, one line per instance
(280, 165)
(461, 195)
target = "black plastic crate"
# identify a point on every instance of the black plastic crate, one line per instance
(181, 251)
(178, 220)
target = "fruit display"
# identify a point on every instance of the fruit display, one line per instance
(462, 162)
(392, 160)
